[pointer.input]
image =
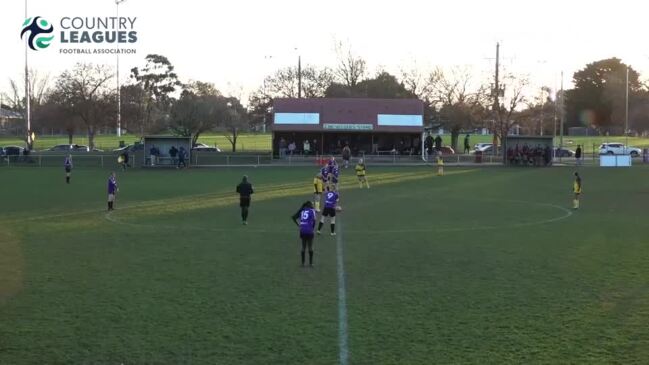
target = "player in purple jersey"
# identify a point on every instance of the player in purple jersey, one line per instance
(331, 204)
(68, 168)
(305, 218)
(324, 171)
(112, 190)
(333, 176)
(332, 173)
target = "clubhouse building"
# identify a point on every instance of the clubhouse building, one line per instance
(368, 126)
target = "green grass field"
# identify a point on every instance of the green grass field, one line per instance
(481, 266)
(262, 142)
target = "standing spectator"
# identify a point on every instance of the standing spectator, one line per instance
(152, 155)
(510, 155)
(282, 147)
(467, 145)
(306, 147)
(438, 143)
(182, 154)
(578, 155)
(548, 155)
(245, 190)
(291, 148)
(347, 154)
(416, 145)
(122, 160)
(173, 152)
(428, 144)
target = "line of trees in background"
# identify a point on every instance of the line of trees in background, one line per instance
(83, 99)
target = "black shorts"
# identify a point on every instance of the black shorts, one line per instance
(244, 201)
(306, 236)
(68, 169)
(346, 158)
(329, 212)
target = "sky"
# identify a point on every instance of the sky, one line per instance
(234, 44)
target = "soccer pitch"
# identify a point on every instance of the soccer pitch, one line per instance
(482, 265)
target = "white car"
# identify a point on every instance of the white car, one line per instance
(481, 146)
(618, 149)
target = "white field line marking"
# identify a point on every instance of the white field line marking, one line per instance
(567, 213)
(343, 350)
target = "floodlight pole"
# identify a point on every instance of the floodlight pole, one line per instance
(28, 113)
(119, 91)
(562, 115)
(626, 114)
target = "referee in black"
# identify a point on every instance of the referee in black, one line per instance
(245, 190)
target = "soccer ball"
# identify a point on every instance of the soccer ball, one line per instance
(339, 208)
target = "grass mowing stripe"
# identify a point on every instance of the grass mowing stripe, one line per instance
(342, 298)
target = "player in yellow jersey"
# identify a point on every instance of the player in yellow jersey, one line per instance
(577, 190)
(440, 165)
(318, 187)
(361, 174)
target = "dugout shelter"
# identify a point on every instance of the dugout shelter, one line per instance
(528, 150)
(368, 126)
(164, 144)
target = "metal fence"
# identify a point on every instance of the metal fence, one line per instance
(211, 159)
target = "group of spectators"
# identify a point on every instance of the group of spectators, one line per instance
(529, 156)
(291, 148)
(431, 144)
(177, 156)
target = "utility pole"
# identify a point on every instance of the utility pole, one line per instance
(299, 77)
(563, 112)
(496, 106)
(543, 100)
(626, 113)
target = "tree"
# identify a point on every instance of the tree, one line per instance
(284, 84)
(598, 97)
(39, 87)
(383, 85)
(539, 115)
(158, 80)
(133, 109)
(233, 119)
(85, 94)
(58, 116)
(513, 97)
(351, 69)
(197, 110)
(460, 101)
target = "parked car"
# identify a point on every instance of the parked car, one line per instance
(61, 148)
(447, 150)
(202, 147)
(72, 148)
(481, 146)
(618, 149)
(13, 151)
(563, 152)
(131, 148)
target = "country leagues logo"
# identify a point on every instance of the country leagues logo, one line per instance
(37, 28)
